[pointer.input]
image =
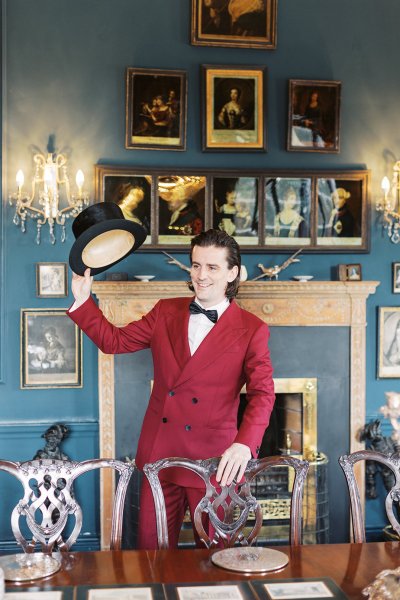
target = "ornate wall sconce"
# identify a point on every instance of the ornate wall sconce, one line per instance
(389, 205)
(50, 200)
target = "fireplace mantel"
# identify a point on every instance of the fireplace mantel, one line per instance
(278, 303)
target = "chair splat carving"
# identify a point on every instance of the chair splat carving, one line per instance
(48, 501)
(229, 507)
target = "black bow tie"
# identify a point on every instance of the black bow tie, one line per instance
(195, 309)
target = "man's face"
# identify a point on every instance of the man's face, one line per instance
(210, 274)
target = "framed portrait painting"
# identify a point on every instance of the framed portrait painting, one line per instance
(351, 272)
(129, 188)
(51, 349)
(155, 109)
(342, 214)
(314, 116)
(234, 23)
(233, 108)
(389, 342)
(235, 207)
(287, 211)
(51, 280)
(181, 202)
(396, 277)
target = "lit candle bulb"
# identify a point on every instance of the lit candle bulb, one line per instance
(20, 180)
(385, 185)
(80, 178)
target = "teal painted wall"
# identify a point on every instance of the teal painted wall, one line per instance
(63, 74)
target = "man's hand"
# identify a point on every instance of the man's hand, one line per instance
(233, 464)
(81, 287)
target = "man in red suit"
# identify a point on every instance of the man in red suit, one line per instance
(204, 350)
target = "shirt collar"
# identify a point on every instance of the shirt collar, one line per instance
(220, 307)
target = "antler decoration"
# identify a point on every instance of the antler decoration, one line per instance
(174, 261)
(273, 272)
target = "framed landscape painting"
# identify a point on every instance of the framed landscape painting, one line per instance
(234, 23)
(155, 109)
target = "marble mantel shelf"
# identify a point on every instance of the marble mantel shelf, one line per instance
(278, 303)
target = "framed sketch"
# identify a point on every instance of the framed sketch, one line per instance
(396, 277)
(389, 342)
(234, 23)
(235, 207)
(51, 349)
(342, 211)
(51, 280)
(276, 210)
(181, 208)
(155, 109)
(131, 190)
(234, 116)
(350, 272)
(314, 116)
(288, 211)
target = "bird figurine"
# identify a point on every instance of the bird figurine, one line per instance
(175, 261)
(273, 272)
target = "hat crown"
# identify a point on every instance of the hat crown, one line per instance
(94, 214)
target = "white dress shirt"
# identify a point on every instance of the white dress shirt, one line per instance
(200, 325)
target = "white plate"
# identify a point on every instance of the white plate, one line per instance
(303, 277)
(144, 277)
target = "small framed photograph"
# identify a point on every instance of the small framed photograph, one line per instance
(287, 211)
(396, 277)
(181, 201)
(235, 207)
(342, 213)
(389, 342)
(155, 109)
(51, 280)
(314, 116)
(234, 115)
(51, 349)
(350, 272)
(237, 23)
(129, 188)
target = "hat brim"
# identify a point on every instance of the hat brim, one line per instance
(75, 256)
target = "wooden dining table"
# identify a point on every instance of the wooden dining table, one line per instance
(351, 566)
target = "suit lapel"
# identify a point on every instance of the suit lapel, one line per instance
(223, 335)
(177, 328)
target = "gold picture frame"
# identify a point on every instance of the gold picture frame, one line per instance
(51, 349)
(234, 118)
(235, 24)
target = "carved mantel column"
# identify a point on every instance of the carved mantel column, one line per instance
(278, 303)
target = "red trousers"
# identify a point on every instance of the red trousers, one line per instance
(177, 500)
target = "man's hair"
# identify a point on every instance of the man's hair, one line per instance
(220, 239)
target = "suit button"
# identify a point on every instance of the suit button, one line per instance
(188, 427)
(195, 400)
(171, 393)
(164, 419)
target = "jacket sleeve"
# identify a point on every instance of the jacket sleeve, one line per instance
(109, 338)
(260, 394)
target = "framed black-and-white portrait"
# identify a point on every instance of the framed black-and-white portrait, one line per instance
(396, 277)
(389, 342)
(51, 280)
(51, 349)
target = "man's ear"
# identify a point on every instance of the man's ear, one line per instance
(233, 274)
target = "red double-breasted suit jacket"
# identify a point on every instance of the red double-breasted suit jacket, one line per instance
(194, 402)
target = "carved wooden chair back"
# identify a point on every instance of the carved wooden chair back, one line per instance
(392, 500)
(229, 507)
(48, 502)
